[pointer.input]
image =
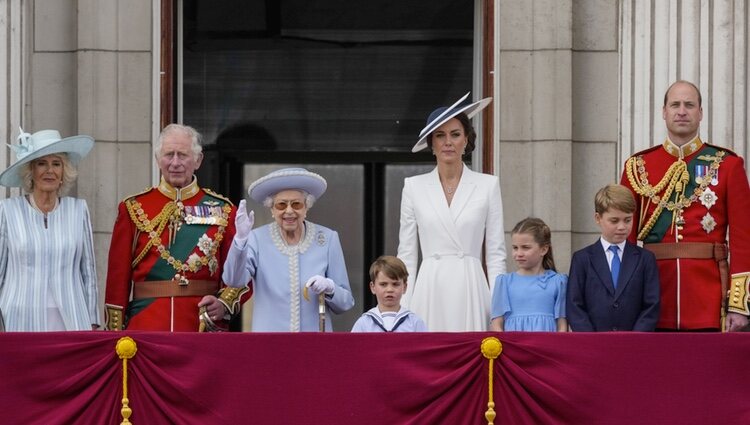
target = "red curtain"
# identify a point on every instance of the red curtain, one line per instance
(430, 378)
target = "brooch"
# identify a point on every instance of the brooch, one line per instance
(321, 238)
(708, 198)
(708, 223)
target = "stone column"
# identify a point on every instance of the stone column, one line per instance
(595, 105)
(114, 105)
(14, 40)
(704, 42)
(535, 116)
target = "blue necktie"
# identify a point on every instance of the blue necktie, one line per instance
(615, 267)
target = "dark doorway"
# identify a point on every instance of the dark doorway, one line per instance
(339, 87)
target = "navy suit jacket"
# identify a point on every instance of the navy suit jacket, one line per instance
(593, 303)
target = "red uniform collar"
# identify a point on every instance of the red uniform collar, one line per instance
(181, 194)
(685, 150)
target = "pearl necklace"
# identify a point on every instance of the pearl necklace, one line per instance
(36, 207)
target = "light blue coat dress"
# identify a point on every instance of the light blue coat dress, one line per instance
(42, 267)
(530, 303)
(279, 273)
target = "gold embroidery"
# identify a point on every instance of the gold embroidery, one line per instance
(738, 294)
(673, 183)
(172, 214)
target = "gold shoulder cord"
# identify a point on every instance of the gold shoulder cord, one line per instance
(143, 224)
(172, 213)
(675, 179)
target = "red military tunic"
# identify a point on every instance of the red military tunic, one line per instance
(714, 204)
(191, 231)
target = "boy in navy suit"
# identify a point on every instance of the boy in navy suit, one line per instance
(613, 284)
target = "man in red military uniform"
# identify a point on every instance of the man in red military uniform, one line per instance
(691, 196)
(168, 248)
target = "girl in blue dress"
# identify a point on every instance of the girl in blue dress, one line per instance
(533, 297)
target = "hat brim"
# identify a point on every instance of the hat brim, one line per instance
(287, 179)
(470, 110)
(77, 147)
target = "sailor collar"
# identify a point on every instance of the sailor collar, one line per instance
(175, 194)
(685, 150)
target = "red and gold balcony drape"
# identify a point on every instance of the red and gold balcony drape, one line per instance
(430, 378)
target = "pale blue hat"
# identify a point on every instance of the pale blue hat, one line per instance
(287, 179)
(443, 114)
(42, 143)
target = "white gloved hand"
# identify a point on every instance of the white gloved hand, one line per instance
(243, 222)
(320, 284)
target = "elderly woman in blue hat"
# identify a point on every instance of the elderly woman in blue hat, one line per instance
(289, 259)
(47, 269)
(450, 213)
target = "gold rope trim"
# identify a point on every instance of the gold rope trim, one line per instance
(125, 349)
(675, 179)
(172, 214)
(491, 348)
(143, 224)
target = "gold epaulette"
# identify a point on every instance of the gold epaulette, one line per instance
(143, 192)
(216, 195)
(644, 151)
(113, 320)
(739, 293)
(231, 298)
(722, 148)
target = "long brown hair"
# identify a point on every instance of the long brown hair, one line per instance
(542, 235)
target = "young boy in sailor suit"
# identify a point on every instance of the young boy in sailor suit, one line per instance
(388, 282)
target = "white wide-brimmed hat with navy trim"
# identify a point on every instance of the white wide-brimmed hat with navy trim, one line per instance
(441, 115)
(43, 143)
(287, 179)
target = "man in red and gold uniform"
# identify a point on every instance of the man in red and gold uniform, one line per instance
(692, 199)
(168, 247)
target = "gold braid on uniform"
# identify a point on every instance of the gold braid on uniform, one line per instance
(143, 224)
(675, 179)
(230, 297)
(739, 294)
(171, 214)
(113, 317)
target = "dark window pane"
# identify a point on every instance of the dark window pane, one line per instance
(328, 75)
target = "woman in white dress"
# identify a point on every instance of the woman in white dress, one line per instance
(47, 269)
(450, 213)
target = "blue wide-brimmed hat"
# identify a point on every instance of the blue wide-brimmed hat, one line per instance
(441, 115)
(43, 143)
(287, 179)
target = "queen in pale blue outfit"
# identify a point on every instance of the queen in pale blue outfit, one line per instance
(47, 268)
(291, 260)
(530, 302)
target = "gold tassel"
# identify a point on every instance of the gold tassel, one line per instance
(125, 349)
(491, 349)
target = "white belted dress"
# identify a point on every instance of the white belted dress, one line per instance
(450, 290)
